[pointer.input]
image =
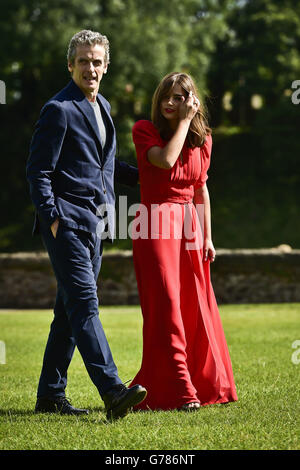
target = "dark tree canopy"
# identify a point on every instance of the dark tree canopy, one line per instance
(244, 56)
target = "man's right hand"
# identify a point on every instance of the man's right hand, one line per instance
(54, 227)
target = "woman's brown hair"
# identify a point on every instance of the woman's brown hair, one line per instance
(199, 128)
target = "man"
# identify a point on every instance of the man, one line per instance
(70, 172)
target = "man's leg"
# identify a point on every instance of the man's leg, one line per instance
(76, 263)
(58, 353)
(70, 255)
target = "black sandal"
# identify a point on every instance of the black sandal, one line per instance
(191, 406)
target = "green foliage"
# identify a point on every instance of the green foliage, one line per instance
(232, 49)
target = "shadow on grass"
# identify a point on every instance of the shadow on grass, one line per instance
(93, 410)
(13, 413)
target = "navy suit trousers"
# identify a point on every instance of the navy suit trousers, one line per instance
(76, 259)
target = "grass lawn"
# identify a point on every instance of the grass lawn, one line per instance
(259, 337)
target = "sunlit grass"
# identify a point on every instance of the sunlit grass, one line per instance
(266, 416)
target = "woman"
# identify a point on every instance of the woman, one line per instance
(185, 357)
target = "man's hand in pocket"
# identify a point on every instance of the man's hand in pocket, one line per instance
(54, 227)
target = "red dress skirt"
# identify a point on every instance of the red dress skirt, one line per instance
(185, 355)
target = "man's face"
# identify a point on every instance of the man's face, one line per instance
(88, 68)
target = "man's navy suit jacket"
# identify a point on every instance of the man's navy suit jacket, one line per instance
(70, 175)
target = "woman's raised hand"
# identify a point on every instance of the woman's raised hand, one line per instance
(188, 107)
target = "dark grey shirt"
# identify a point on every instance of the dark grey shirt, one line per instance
(101, 126)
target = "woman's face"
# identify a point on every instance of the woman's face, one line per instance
(171, 102)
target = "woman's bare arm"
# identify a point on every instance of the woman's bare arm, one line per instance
(202, 200)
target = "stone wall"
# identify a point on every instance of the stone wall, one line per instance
(238, 276)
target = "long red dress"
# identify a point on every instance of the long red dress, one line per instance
(185, 355)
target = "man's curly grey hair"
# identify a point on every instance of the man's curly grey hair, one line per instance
(87, 37)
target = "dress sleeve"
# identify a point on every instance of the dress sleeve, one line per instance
(205, 153)
(145, 135)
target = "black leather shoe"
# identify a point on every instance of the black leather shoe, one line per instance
(57, 405)
(120, 399)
